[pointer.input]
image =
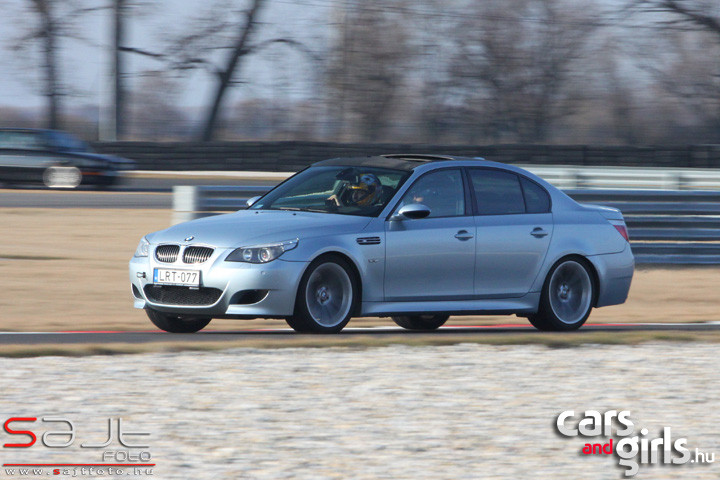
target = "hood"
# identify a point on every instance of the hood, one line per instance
(610, 213)
(255, 227)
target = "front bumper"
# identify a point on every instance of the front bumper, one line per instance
(279, 279)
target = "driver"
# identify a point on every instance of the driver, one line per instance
(364, 192)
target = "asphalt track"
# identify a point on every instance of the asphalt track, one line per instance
(210, 335)
(153, 193)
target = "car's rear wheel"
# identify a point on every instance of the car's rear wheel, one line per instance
(174, 323)
(327, 296)
(567, 297)
(421, 322)
(62, 177)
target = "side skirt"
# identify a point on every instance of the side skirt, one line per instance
(524, 305)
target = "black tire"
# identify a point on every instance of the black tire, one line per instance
(174, 323)
(105, 182)
(421, 322)
(567, 297)
(327, 296)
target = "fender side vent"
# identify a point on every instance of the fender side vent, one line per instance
(369, 240)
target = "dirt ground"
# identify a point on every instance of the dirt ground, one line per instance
(67, 270)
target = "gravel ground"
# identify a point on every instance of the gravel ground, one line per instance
(399, 412)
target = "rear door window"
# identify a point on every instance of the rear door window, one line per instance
(537, 199)
(496, 192)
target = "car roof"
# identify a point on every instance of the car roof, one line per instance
(37, 131)
(398, 161)
(23, 129)
(424, 163)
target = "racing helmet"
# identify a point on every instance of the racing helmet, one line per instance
(366, 191)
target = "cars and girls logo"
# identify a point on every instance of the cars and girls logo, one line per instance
(631, 449)
(118, 450)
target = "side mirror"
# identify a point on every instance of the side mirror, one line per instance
(251, 201)
(414, 211)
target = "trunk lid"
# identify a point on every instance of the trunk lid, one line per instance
(610, 213)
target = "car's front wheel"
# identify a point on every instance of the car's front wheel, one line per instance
(174, 323)
(567, 297)
(62, 177)
(327, 296)
(421, 322)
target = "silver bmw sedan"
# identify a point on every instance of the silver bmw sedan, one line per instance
(413, 237)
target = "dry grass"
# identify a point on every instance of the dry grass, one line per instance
(550, 340)
(67, 270)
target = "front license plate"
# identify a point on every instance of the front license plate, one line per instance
(189, 278)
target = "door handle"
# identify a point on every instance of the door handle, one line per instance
(538, 232)
(463, 235)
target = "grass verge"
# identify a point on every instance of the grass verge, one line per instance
(550, 340)
(69, 271)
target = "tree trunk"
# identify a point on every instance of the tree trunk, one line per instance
(52, 82)
(225, 76)
(119, 68)
(698, 17)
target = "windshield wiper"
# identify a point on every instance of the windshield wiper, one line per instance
(317, 210)
(297, 209)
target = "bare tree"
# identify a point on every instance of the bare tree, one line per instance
(122, 11)
(515, 59)
(53, 22)
(687, 69)
(688, 81)
(63, 20)
(225, 75)
(47, 32)
(232, 34)
(153, 109)
(118, 67)
(366, 66)
(698, 13)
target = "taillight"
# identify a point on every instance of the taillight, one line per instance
(622, 230)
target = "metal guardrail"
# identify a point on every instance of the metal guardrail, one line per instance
(570, 177)
(665, 227)
(190, 202)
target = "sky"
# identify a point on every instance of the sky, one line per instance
(276, 73)
(86, 62)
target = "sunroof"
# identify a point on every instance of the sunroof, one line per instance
(417, 157)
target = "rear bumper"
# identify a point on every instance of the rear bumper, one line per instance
(615, 272)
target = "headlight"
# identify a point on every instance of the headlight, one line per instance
(143, 248)
(261, 253)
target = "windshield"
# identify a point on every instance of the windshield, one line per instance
(21, 140)
(66, 142)
(362, 191)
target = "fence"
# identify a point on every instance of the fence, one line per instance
(294, 155)
(665, 227)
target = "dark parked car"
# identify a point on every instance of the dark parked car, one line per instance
(56, 159)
